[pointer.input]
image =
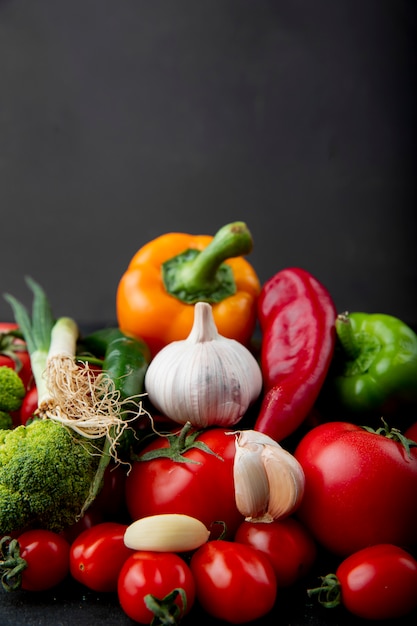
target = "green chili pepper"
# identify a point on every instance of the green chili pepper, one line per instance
(374, 368)
(124, 358)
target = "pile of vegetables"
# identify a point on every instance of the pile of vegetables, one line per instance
(175, 462)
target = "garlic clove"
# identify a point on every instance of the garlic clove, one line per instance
(269, 481)
(206, 379)
(167, 532)
(251, 481)
(286, 481)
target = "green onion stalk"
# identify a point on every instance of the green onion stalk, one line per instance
(69, 390)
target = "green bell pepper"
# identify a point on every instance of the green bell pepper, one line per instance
(374, 368)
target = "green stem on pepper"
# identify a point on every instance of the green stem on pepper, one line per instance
(197, 275)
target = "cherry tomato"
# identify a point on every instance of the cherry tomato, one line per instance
(47, 557)
(90, 518)
(360, 488)
(376, 583)
(158, 574)
(98, 554)
(13, 353)
(29, 405)
(234, 582)
(203, 488)
(287, 543)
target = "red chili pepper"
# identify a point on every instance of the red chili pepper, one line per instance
(297, 319)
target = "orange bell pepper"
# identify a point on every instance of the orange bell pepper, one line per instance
(165, 278)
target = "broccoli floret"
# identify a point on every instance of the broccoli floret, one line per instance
(6, 421)
(12, 390)
(46, 472)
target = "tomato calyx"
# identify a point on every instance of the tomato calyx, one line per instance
(178, 445)
(329, 592)
(394, 434)
(165, 610)
(11, 564)
(10, 348)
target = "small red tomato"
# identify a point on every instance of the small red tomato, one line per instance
(234, 582)
(161, 575)
(376, 583)
(98, 554)
(29, 405)
(287, 543)
(47, 556)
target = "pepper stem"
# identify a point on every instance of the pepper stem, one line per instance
(195, 275)
(346, 336)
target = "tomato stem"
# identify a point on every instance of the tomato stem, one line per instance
(11, 564)
(329, 592)
(166, 611)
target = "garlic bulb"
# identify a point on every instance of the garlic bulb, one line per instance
(269, 481)
(205, 379)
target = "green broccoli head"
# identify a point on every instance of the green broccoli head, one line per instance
(46, 472)
(12, 390)
(6, 421)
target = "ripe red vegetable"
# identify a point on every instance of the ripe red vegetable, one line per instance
(297, 316)
(376, 583)
(287, 544)
(36, 561)
(360, 487)
(98, 554)
(200, 485)
(155, 581)
(234, 582)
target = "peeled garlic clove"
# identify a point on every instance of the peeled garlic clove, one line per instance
(269, 481)
(170, 532)
(206, 379)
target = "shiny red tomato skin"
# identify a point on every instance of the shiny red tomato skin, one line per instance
(360, 488)
(203, 489)
(287, 544)
(29, 405)
(47, 557)
(234, 582)
(155, 573)
(379, 582)
(98, 554)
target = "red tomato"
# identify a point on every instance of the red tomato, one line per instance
(157, 574)
(29, 405)
(13, 353)
(47, 557)
(411, 432)
(376, 583)
(360, 488)
(98, 554)
(234, 582)
(287, 543)
(203, 489)
(90, 518)
(111, 499)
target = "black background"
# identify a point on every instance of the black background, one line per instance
(121, 120)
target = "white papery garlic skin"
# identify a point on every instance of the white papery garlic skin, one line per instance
(205, 379)
(269, 481)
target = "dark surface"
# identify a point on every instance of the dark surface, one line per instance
(120, 121)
